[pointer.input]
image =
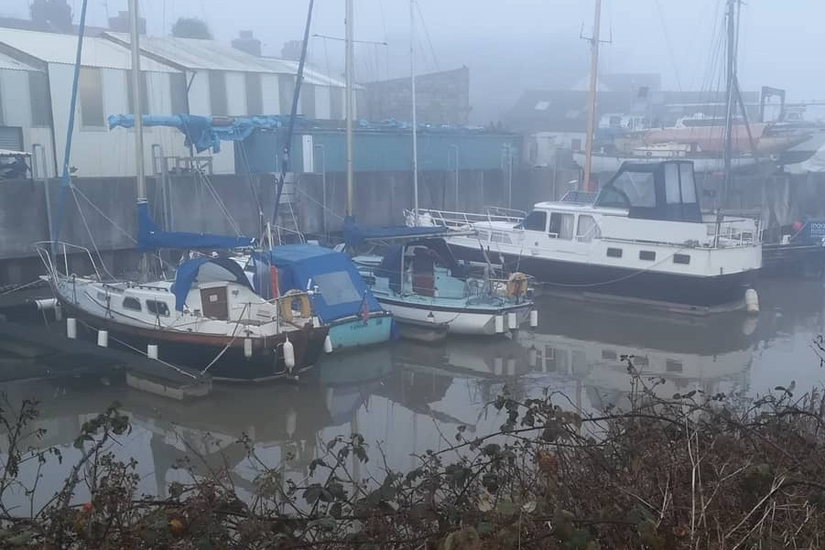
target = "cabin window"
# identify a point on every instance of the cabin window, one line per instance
(672, 365)
(614, 252)
(156, 307)
(131, 303)
(561, 225)
(688, 185)
(681, 259)
(647, 255)
(91, 97)
(672, 193)
(218, 103)
(535, 221)
(638, 188)
(587, 229)
(337, 288)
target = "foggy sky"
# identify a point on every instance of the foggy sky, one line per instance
(520, 44)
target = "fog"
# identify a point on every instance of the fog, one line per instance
(523, 44)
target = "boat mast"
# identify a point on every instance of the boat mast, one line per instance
(348, 70)
(414, 119)
(729, 107)
(591, 111)
(137, 101)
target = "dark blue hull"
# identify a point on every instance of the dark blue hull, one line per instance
(681, 290)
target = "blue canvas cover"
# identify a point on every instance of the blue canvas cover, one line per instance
(188, 272)
(355, 235)
(390, 266)
(342, 291)
(152, 238)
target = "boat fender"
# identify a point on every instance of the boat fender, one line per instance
(534, 318)
(247, 347)
(289, 355)
(512, 321)
(499, 324)
(327, 344)
(752, 301)
(517, 285)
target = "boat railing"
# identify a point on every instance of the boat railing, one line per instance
(461, 220)
(735, 232)
(52, 252)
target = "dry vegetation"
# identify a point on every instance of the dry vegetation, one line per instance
(693, 471)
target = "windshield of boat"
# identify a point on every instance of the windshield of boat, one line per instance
(630, 189)
(336, 288)
(535, 221)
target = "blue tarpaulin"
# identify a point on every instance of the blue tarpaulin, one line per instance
(206, 132)
(355, 235)
(152, 238)
(342, 291)
(189, 271)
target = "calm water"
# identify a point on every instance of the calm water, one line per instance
(407, 398)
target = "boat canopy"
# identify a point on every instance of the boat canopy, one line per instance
(205, 270)
(152, 238)
(354, 235)
(390, 266)
(342, 291)
(654, 191)
(207, 132)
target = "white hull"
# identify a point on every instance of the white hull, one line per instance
(458, 322)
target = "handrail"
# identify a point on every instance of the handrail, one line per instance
(44, 250)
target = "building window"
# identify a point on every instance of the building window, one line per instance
(535, 221)
(286, 89)
(144, 93)
(587, 229)
(2, 120)
(39, 94)
(681, 259)
(614, 252)
(254, 94)
(217, 93)
(671, 365)
(647, 255)
(641, 360)
(308, 100)
(178, 94)
(561, 225)
(90, 91)
(610, 355)
(131, 303)
(156, 307)
(576, 144)
(336, 104)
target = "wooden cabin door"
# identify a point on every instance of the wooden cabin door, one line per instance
(215, 303)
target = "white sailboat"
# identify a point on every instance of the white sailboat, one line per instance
(208, 316)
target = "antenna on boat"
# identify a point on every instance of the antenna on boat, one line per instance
(591, 109)
(348, 64)
(414, 119)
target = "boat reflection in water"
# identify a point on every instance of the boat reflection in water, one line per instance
(586, 344)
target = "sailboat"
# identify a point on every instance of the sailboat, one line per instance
(209, 315)
(643, 237)
(418, 280)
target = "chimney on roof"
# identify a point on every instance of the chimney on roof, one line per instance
(292, 50)
(120, 23)
(247, 43)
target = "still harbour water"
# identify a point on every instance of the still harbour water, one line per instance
(406, 398)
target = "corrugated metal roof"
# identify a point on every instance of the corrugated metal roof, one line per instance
(210, 55)
(61, 48)
(196, 54)
(10, 64)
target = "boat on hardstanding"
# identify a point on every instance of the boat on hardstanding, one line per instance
(643, 236)
(340, 298)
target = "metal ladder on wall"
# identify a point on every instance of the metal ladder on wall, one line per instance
(288, 230)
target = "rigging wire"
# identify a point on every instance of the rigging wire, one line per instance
(427, 35)
(668, 44)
